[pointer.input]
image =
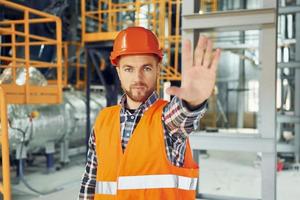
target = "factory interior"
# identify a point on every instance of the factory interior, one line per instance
(56, 76)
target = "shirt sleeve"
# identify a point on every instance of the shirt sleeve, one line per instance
(180, 120)
(88, 181)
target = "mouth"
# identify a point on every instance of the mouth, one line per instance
(138, 87)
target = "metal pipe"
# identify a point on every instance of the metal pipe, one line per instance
(27, 54)
(88, 92)
(59, 58)
(31, 21)
(24, 8)
(53, 123)
(5, 148)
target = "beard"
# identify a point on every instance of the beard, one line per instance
(139, 95)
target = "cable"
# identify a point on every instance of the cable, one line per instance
(21, 175)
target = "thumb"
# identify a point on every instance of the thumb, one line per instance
(175, 91)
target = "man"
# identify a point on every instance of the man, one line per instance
(139, 149)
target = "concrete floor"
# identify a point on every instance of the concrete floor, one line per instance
(238, 174)
(223, 173)
(65, 182)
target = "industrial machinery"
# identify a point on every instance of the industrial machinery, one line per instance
(42, 128)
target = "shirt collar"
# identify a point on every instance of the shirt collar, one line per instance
(144, 106)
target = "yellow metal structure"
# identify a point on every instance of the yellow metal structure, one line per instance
(5, 185)
(172, 42)
(208, 6)
(19, 33)
(111, 17)
(78, 65)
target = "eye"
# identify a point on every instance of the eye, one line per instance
(148, 68)
(128, 69)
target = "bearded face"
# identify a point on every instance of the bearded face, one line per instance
(138, 75)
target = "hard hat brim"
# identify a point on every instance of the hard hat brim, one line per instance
(114, 57)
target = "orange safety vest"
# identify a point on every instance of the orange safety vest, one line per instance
(143, 171)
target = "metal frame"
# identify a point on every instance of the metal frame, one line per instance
(297, 88)
(108, 16)
(289, 64)
(225, 141)
(29, 93)
(294, 119)
(230, 19)
(80, 84)
(263, 19)
(5, 185)
(289, 9)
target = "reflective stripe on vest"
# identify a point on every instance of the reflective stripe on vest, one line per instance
(147, 182)
(103, 187)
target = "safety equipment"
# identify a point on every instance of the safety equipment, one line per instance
(135, 40)
(142, 171)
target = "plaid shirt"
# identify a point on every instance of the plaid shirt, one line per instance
(178, 122)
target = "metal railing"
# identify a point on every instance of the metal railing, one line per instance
(5, 185)
(21, 37)
(74, 63)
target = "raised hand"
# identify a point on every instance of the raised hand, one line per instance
(199, 72)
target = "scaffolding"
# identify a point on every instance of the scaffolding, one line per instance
(73, 64)
(103, 21)
(5, 185)
(18, 32)
(288, 118)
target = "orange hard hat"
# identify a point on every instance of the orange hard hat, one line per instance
(135, 40)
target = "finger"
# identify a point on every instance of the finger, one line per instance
(215, 61)
(208, 52)
(175, 91)
(199, 51)
(187, 59)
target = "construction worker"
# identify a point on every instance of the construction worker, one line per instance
(139, 149)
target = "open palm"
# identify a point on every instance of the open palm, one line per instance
(199, 72)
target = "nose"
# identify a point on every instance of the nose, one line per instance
(139, 75)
